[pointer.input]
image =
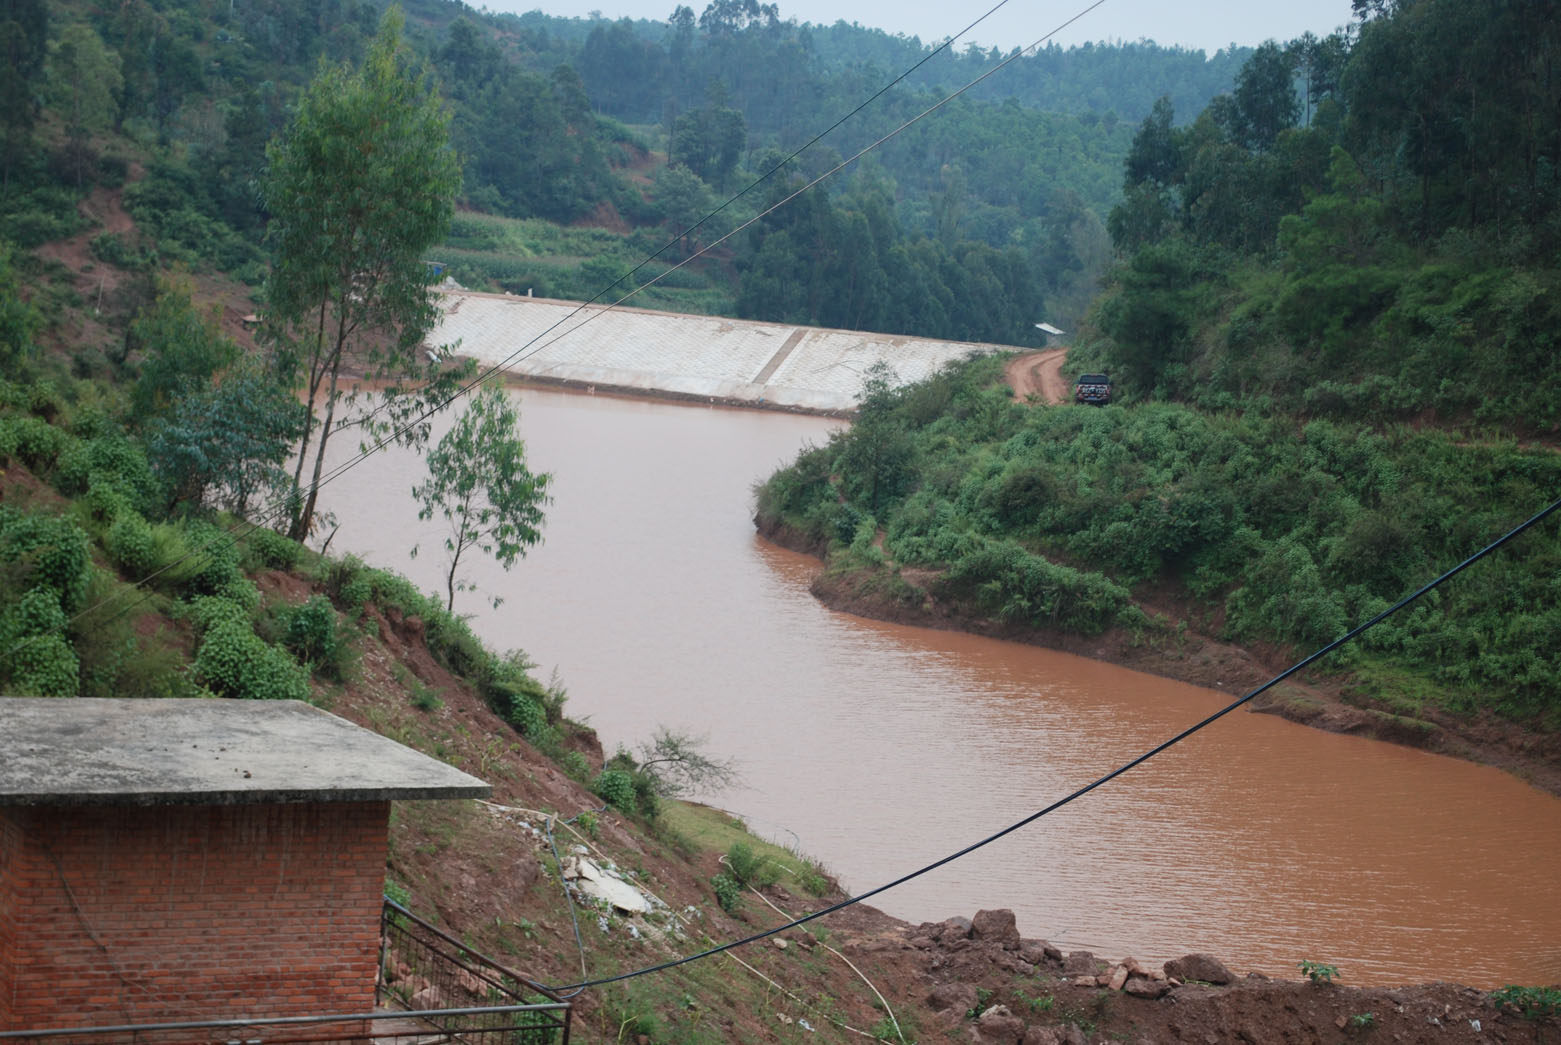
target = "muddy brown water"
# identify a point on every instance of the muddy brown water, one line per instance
(879, 748)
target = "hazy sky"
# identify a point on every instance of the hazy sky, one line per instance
(1210, 25)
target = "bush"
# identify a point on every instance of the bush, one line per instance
(728, 892)
(743, 864)
(234, 662)
(38, 659)
(43, 666)
(267, 549)
(130, 545)
(45, 551)
(616, 788)
(33, 441)
(309, 630)
(313, 634)
(527, 716)
(213, 558)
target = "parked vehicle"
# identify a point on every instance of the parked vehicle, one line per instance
(1094, 389)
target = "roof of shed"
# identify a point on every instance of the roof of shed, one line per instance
(87, 751)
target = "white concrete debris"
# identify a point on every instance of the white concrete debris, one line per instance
(703, 357)
(593, 881)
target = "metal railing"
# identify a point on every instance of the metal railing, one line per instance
(424, 968)
(431, 989)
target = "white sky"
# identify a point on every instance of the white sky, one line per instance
(1210, 24)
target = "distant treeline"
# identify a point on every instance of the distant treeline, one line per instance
(1380, 243)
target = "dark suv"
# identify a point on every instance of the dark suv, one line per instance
(1093, 388)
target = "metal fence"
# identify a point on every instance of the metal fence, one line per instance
(425, 969)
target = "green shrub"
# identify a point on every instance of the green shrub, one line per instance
(233, 662)
(527, 716)
(309, 630)
(266, 549)
(314, 635)
(616, 788)
(43, 666)
(45, 551)
(130, 545)
(213, 557)
(36, 442)
(208, 611)
(743, 864)
(1532, 1003)
(38, 659)
(728, 892)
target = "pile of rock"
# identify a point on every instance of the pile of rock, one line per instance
(963, 951)
(1129, 977)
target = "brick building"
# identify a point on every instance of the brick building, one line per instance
(181, 860)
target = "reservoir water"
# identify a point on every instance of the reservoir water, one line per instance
(879, 748)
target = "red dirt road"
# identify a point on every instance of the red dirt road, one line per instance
(1038, 374)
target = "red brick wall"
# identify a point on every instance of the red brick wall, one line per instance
(132, 915)
(10, 842)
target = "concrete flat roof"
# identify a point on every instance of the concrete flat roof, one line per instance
(687, 356)
(89, 751)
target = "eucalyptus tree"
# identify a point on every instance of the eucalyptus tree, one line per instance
(362, 182)
(478, 482)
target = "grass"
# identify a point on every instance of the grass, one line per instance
(713, 830)
(487, 252)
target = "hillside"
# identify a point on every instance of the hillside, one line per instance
(1332, 347)
(387, 658)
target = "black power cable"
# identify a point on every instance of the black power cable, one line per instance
(1533, 520)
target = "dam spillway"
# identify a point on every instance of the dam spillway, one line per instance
(706, 358)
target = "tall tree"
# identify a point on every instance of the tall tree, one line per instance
(84, 83)
(479, 484)
(360, 185)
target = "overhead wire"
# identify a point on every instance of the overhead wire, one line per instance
(1101, 781)
(276, 511)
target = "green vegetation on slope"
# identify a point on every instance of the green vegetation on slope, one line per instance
(1274, 529)
(1394, 255)
(1325, 282)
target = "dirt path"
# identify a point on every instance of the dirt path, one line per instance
(1038, 374)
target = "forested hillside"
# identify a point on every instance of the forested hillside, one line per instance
(1333, 324)
(1382, 244)
(636, 129)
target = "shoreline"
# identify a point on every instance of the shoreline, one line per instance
(1319, 701)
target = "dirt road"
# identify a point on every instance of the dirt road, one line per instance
(1038, 374)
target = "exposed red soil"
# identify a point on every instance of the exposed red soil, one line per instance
(1038, 374)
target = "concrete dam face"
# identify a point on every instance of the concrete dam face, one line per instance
(704, 358)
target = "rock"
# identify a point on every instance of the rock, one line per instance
(1080, 963)
(1133, 968)
(998, 1024)
(1051, 952)
(922, 943)
(1086, 981)
(997, 927)
(1069, 1035)
(959, 997)
(1203, 967)
(780, 945)
(1118, 977)
(1143, 987)
(1033, 951)
(955, 928)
